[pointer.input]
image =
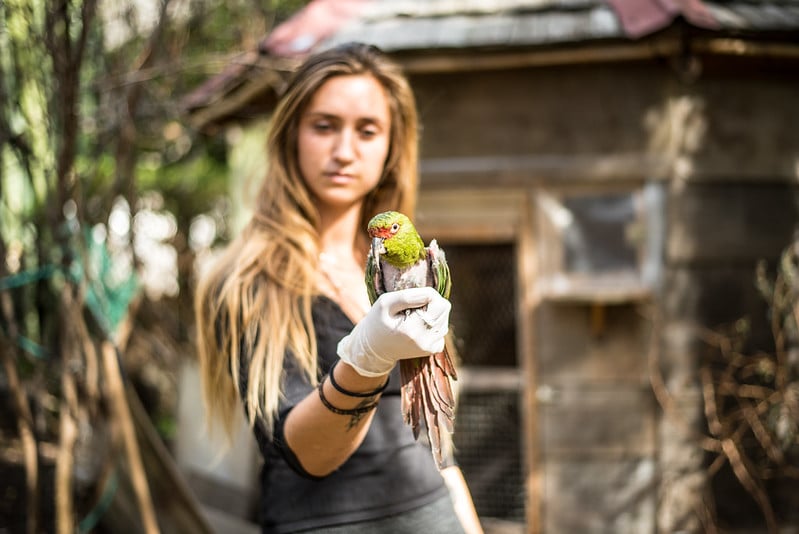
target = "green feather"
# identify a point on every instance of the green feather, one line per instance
(403, 248)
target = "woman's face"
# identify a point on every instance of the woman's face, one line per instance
(343, 140)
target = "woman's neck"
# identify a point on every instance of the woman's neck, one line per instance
(342, 258)
(340, 235)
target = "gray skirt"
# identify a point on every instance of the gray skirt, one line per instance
(437, 517)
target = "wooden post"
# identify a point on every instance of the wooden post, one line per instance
(25, 429)
(527, 305)
(119, 406)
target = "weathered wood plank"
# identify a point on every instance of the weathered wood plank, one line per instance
(749, 123)
(539, 123)
(577, 350)
(673, 366)
(529, 170)
(600, 496)
(611, 421)
(730, 222)
(470, 215)
(529, 112)
(712, 296)
(416, 64)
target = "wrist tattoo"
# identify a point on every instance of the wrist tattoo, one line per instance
(356, 414)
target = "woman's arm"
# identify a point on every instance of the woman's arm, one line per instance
(317, 433)
(462, 499)
(321, 439)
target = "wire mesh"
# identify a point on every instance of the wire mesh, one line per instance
(488, 424)
(483, 303)
(488, 446)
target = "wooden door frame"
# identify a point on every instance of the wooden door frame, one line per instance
(500, 215)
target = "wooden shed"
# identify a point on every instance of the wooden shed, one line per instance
(605, 177)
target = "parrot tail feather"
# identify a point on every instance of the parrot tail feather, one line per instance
(431, 422)
(444, 362)
(406, 377)
(441, 391)
(411, 395)
(427, 396)
(442, 372)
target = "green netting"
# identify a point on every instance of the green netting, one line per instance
(109, 289)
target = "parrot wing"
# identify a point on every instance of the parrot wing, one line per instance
(440, 269)
(374, 281)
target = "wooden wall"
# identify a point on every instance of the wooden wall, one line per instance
(723, 146)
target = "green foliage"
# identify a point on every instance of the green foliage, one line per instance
(89, 123)
(131, 138)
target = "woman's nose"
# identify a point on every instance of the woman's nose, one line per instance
(344, 150)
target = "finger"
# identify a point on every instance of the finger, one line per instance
(406, 299)
(432, 321)
(418, 322)
(437, 311)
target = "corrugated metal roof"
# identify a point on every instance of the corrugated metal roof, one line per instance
(484, 29)
(395, 25)
(439, 8)
(399, 25)
(757, 16)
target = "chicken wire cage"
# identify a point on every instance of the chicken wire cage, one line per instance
(487, 446)
(488, 425)
(483, 304)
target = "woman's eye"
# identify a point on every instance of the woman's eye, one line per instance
(369, 129)
(322, 126)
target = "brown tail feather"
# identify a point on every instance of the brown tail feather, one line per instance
(444, 362)
(411, 395)
(431, 421)
(406, 389)
(427, 394)
(442, 390)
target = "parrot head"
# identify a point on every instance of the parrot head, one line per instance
(395, 239)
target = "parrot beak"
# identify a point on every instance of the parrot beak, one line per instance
(377, 247)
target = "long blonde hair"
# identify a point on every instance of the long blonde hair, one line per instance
(255, 303)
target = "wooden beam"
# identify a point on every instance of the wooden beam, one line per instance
(469, 216)
(587, 52)
(668, 44)
(725, 46)
(526, 308)
(535, 169)
(478, 379)
(217, 113)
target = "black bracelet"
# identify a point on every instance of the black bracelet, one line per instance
(360, 410)
(343, 391)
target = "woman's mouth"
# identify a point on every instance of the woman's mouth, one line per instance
(340, 177)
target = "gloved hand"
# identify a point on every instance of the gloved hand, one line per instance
(409, 323)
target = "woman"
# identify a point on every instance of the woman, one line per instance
(285, 325)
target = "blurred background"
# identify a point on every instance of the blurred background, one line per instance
(614, 183)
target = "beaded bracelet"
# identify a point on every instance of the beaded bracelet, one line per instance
(349, 393)
(359, 410)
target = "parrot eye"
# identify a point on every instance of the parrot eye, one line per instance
(394, 228)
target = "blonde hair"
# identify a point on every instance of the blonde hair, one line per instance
(255, 303)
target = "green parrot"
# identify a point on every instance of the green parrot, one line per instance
(398, 260)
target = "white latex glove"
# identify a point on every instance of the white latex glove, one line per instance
(409, 323)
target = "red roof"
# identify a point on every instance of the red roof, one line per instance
(318, 20)
(642, 17)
